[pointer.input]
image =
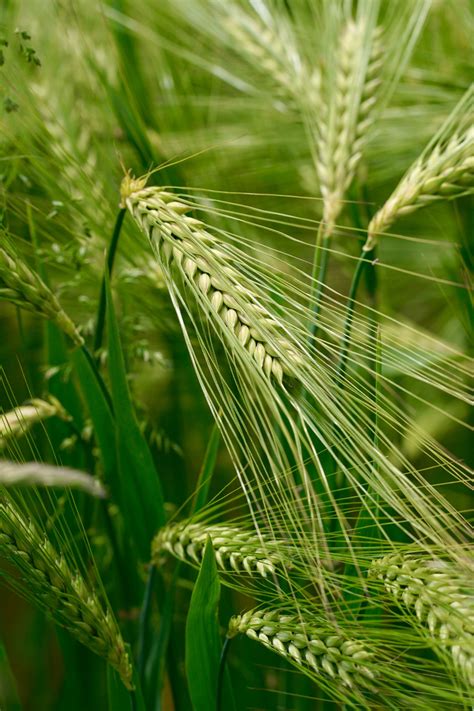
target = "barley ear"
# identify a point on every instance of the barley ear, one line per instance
(444, 171)
(22, 286)
(316, 649)
(207, 268)
(236, 550)
(61, 592)
(440, 597)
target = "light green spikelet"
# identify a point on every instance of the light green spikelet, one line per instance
(345, 122)
(60, 591)
(206, 267)
(236, 550)
(444, 171)
(441, 597)
(25, 288)
(320, 650)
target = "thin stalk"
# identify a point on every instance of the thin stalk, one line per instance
(100, 323)
(220, 675)
(364, 259)
(318, 275)
(144, 621)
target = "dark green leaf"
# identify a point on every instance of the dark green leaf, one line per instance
(202, 635)
(141, 494)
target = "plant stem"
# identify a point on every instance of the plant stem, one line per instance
(144, 621)
(320, 267)
(220, 676)
(99, 330)
(364, 260)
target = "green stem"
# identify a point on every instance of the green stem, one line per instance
(319, 271)
(144, 621)
(99, 330)
(220, 675)
(362, 263)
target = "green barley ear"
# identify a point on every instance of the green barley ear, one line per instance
(17, 422)
(445, 170)
(441, 598)
(345, 121)
(60, 591)
(318, 649)
(237, 550)
(202, 261)
(22, 286)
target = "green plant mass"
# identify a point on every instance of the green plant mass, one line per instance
(236, 355)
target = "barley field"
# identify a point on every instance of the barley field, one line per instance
(236, 355)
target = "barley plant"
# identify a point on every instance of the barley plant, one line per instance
(236, 355)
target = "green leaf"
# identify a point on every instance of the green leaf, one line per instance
(141, 495)
(202, 635)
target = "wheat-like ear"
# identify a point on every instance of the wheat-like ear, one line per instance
(60, 591)
(206, 268)
(343, 123)
(25, 288)
(318, 649)
(17, 422)
(237, 550)
(270, 45)
(445, 170)
(441, 597)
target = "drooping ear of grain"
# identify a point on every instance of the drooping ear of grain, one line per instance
(440, 597)
(22, 286)
(60, 591)
(19, 420)
(183, 242)
(318, 649)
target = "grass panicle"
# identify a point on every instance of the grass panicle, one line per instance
(236, 550)
(347, 115)
(207, 269)
(24, 287)
(444, 171)
(317, 648)
(61, 591)
(441, 596)
(37, 474)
